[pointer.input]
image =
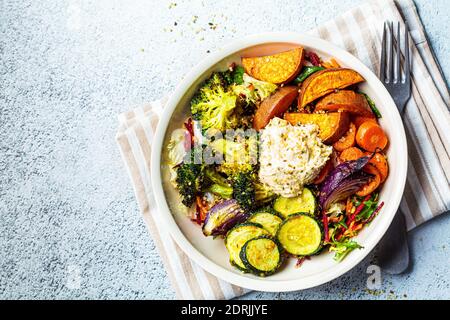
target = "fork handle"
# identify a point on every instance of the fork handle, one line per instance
(393, 251)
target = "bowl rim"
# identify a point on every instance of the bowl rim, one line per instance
(162, 208)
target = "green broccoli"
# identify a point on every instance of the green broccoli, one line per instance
(214, 104)
(243, 187)
(189, 180)
(234, 75)
(244, 190)
(252, 90)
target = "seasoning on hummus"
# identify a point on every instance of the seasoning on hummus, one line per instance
(290, 156)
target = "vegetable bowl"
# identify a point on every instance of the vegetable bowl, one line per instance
(248, 241)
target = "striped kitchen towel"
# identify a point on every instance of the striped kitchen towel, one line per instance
(427, 118)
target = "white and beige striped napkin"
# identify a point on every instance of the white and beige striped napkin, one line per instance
(426, 119)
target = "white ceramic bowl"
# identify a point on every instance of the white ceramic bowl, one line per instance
(211, 254)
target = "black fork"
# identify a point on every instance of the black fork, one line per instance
(393, 251)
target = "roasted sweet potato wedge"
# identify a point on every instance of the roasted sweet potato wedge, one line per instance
(275, 105)
(278, 68)
(324, 82)
(332, 125)
(345, 100)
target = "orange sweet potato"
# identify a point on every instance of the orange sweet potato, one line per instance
(332, 125)
(278, 68)
(275, 105)
(347, 140)
(345, 100)
(324, 82)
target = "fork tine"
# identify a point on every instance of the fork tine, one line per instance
(390, 76)
(398, 73)
(407, 62)
(383, 55)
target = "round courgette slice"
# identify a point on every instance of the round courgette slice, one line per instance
(238, 236)
(262, 256)
(300, 235)
(306, 202)
(268, 220)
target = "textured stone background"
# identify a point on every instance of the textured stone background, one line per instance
(67, 68)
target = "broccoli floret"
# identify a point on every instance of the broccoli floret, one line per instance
(244, 190)
(234, 75)
(214, 103)
(252, 90)
(189, 181)
(238, 156)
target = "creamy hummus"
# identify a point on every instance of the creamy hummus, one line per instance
(290, 156)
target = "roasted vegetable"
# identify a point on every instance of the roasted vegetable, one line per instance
(278, 68)
(263, 194)
(234, 75)
(306, 72)
(214, 104)
(189, 181)
(305, 202)
(371, 137)
(372, 105)
(380, 162)
(224, 192)
(275, 105)
(324, 82)
(238, 236)
(300, 235)
(346, 179)
(352, 153)
(358, 120)
(332, 125)
(222, 217)
(324, 171)
(237, 156)
(268, 219)
(313, 58)
(261, 256)
(244, 190)
(347, 140)
(253, 91)
(345, 100)
(373, 183)
(217, 184)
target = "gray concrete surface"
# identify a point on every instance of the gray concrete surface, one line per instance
(70, 226)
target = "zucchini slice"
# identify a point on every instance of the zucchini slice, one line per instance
(261, 255)
(238, 236)
(300, 235)
(306, 202)
(268, 220)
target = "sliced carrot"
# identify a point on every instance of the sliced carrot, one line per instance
(374, 182)
(359, 120)
(352, 153)
(347, 140)
(380, 162)
(324, 172)
(371, 137)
